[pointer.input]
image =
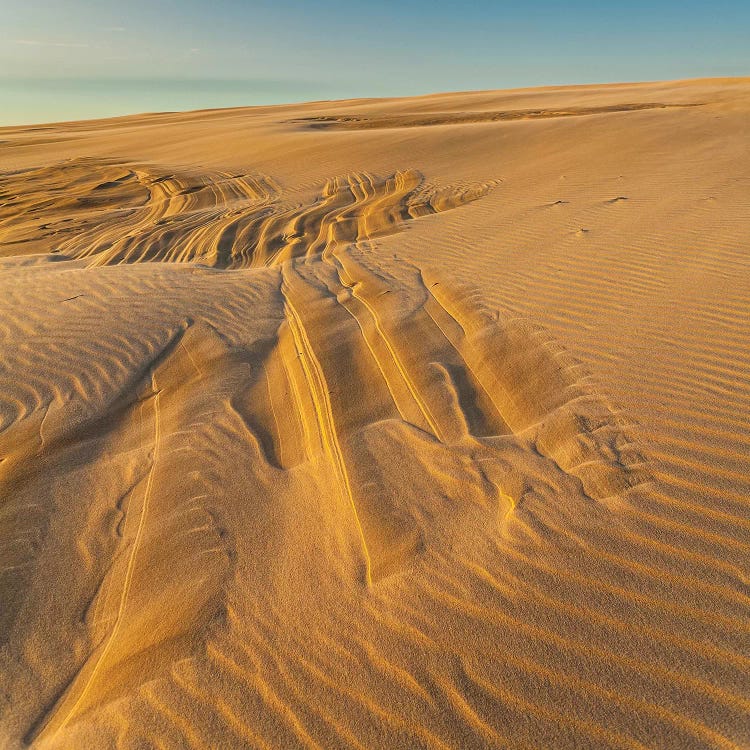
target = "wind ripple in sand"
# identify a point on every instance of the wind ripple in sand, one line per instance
(346, 433)
(110, 214)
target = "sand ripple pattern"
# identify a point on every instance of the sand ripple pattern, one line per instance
(115, 214)
(256, 487)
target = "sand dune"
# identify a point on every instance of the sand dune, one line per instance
(320, 428)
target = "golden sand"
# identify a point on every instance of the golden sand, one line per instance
(409, 423)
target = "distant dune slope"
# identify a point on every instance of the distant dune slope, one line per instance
(366, 122)
(320, 428)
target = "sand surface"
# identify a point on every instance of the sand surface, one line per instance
(410, 423)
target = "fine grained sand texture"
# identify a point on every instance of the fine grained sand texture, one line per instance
(411, 423)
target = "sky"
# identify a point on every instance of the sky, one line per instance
(73, 59)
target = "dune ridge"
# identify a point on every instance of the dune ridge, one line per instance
(355, 122)
(220, 220)
(433, 438)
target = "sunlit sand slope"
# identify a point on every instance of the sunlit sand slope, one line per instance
(216, 219)
(377, 424)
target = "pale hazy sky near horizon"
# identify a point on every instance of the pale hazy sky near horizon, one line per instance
(70, 59)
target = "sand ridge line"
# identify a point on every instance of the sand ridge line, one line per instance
(364, 122)
(216, 218)
(319, 392)
(354, 285)
(101, 658)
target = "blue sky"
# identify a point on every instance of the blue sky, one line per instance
(290, 50)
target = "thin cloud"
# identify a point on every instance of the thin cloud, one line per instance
(44, 43)
(115, 28)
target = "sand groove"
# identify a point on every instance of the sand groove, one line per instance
(128, 622)
(116, 214)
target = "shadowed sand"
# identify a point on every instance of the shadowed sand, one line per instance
(321, 428)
